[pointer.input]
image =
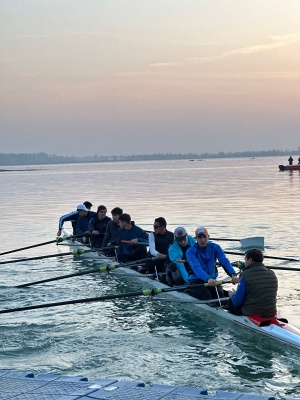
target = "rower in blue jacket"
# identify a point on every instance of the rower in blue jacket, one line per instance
(72, 217)
(202, 257)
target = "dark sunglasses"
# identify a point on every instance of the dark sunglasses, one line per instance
(156, 226)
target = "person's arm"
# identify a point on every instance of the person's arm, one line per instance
(72, 216)
(152, 249)
(142, 236)
(239, 296)
(195, 264)
(107, 235)
(91, 225)
(228, 268)
(174, 255)
(183, 272)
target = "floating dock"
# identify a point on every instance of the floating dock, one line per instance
(19, 385)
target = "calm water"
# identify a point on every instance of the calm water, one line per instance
(138, 339)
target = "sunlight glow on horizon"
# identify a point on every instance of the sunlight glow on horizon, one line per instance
(157, 71)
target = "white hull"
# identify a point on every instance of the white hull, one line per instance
(76, 245)
(285, 333)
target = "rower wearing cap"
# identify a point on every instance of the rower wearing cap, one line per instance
(177, 272)
(85, 215)
(72, 217)
(202, 257)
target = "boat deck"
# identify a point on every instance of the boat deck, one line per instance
(19, 385)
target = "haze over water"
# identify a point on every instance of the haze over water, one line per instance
(138, 339)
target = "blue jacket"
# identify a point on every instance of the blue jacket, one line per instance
(128, 234)
(202, 261)
(72, 217)
(239, 296)
(175, 253)
(83, 223)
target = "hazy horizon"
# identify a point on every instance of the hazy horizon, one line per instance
(139, 77)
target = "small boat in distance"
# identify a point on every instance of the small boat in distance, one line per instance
(295, 167)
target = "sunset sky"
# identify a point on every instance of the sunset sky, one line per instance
(84, 77)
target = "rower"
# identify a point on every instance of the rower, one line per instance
(130, 236)
(159, 243)
(177, 272)
(202, 257)
(72, 217)
(257, 289)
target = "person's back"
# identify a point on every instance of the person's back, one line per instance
(262, 287)
(257, 289)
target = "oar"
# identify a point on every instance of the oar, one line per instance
(258, 241)
(102, 268)
(146, 292)
(69, 253)
(57, 240)
(274, 258)
(241, 265)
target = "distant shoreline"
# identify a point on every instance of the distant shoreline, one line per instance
(10, 159)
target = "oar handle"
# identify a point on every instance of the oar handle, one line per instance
(139, 243)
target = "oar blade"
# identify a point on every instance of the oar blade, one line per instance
(258, 242)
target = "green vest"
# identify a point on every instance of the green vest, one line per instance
(262, 287)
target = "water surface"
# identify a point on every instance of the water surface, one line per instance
(138, 339)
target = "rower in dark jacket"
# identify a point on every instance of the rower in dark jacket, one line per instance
(257, 289)
(159, 242)
(111, 238)
(97, 227)
(132, 240)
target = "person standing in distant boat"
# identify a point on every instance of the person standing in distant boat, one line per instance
(130, 236)
(257, 288)
(159, 243)
(202, 257)
(290, 160)
(177, 273)
(72, 217)
(97, 226)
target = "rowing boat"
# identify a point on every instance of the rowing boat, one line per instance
(273, 326)
(295, 167)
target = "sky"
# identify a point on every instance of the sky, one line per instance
(123, 77)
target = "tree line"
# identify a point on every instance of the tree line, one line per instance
(43, 158)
